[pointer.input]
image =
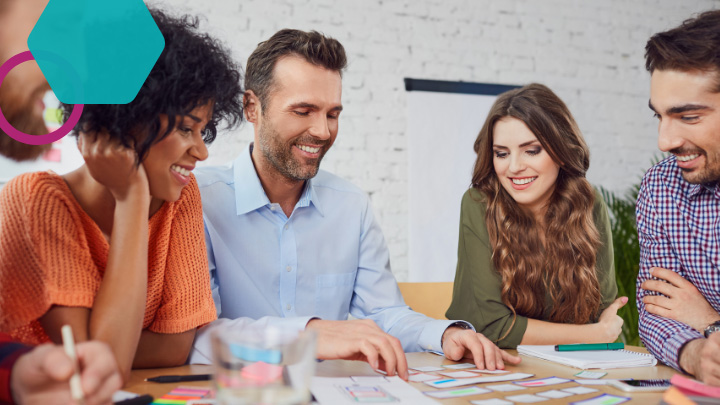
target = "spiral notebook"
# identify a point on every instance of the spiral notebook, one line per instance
(586, 359)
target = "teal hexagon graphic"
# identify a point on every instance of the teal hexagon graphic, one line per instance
(96, 51)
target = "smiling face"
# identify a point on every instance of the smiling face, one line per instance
(524, 168)
(688, 110)
(299, 124)
(169, 162)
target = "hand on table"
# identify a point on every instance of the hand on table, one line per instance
(701, 358)
(360, 340)
(459, 343)
(42, 375)
(681, 302)
(610, 322)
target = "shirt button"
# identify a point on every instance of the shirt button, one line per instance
(287, 227)
(288, 268)
(288, 307)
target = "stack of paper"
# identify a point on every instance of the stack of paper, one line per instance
(590, 358)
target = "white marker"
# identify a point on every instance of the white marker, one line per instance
(69, 345)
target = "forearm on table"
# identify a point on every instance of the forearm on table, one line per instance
(119, 307)
(546, 333)
(159, 350)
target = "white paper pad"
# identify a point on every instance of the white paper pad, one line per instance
(543, 382)
(459, 366)
(426, 369)
(331, 391)
(585, 359)
(554, 394)
(579, 390)
(526, 398)
(460, 392)
(604, 399)
(458, 374)
(505, 387)
(424, 377)
(451, 382)
(491, 401)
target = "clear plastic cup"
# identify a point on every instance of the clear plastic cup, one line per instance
(263, 366)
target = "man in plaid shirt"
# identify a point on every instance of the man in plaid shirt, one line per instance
(678, 207)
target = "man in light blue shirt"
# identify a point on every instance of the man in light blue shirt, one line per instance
(296, 247)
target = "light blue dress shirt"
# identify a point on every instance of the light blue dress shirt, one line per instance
(327, 260)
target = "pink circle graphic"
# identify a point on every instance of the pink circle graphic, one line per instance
(27, 138)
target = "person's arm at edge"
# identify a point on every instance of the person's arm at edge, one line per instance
(655, 251)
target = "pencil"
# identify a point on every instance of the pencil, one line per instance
(69, 345)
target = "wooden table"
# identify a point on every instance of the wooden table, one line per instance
(340, 368)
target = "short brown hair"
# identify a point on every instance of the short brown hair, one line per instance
(694, 45)
(313, 46)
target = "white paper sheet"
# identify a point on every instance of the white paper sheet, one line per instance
(334, 391)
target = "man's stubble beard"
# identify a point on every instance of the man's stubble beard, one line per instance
(280, 155)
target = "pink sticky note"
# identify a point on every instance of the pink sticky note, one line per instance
(262, 372)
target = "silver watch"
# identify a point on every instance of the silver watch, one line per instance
(712, 328)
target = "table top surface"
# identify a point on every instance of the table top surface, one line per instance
(341, 368)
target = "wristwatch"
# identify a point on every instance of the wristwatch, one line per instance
(712, 328)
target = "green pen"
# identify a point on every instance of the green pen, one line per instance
(589, 346)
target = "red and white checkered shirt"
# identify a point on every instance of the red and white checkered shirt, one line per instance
(679, 229)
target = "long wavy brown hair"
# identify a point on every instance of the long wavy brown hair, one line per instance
(564, 266)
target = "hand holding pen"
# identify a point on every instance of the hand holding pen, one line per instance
(42, 375)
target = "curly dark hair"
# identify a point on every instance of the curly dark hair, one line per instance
(192, 70)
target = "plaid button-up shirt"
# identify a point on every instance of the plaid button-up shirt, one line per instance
(679, 229)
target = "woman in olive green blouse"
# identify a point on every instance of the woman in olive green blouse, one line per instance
(535, 255)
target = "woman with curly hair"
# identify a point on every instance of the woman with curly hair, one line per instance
(116, 248)
(535, 256)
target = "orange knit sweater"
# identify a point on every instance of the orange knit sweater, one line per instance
(53, 253)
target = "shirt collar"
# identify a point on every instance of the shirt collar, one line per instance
(696, 189)
(249, 192)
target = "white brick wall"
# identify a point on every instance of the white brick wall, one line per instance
(589, 52)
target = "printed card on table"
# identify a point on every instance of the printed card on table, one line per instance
(579, 390)
(458, 374)
(491, 401)
(505, 387)
(543, 382)
(459, 366)
(554, 394)
(604, 399)
(526, 398)
(460, 392)
(420, 377)
(489, 371)
(426, 369)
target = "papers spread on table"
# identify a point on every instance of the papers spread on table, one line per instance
(586, 359)
(452, 382)
(345, 390)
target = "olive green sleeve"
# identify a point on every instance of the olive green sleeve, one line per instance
(605, 265)
(477, 288)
